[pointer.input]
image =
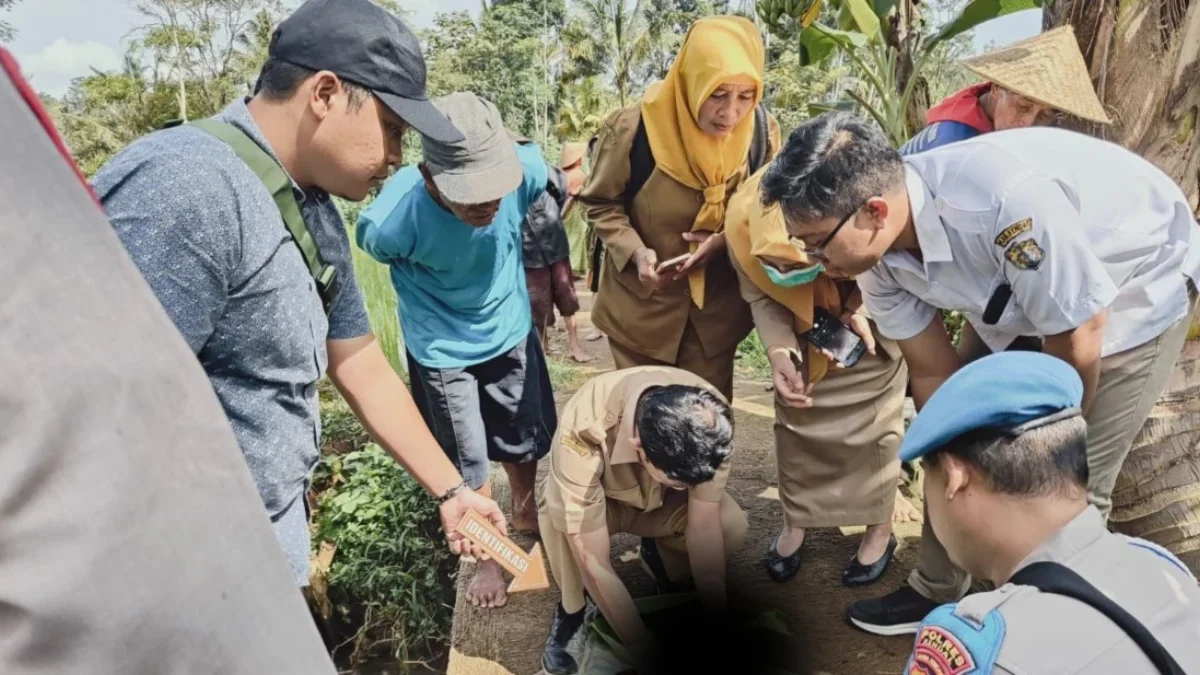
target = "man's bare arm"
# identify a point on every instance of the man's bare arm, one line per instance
(1081, 348)
(706, 552)
(361, 372)
(931, 360)
(592, 556)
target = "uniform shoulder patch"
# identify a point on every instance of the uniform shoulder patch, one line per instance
(948, 644)
(1025, 254)
(575, 444)
(1013, 231)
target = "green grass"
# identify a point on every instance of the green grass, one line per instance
(752, 358)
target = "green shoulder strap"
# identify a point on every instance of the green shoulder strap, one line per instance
(280, 186)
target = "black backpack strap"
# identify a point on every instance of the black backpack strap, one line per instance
(641, 164)
(1050, 577)
(762, 139)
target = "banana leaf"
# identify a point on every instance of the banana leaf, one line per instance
(976, 12)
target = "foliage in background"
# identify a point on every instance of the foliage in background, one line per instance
(7, 32)
(387, 581)
(376, 283)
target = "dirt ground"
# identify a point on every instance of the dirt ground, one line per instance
(509, 640)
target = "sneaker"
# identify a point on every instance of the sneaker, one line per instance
(897, 613)
(556, 657)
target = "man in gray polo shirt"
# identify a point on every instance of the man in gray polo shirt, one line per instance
(342, 82)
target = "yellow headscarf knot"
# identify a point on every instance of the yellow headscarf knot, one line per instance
(715, 195)
(717, 50)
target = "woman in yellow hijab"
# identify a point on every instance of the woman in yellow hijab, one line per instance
(663, 172)
(838, 425)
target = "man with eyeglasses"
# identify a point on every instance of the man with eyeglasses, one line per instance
(1042, 232)
(1034, 82)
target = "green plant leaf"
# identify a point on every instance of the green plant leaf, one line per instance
(980, 11)
(818, 108)
(818, 41)
(882, 7)
(862, 17)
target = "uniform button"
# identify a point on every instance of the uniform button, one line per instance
(610, 417)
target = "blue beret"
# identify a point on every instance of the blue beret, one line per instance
(999, 391)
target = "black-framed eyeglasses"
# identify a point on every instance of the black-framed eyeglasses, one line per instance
(818, 250)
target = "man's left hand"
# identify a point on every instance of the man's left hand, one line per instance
(453, 510)
(709, 245)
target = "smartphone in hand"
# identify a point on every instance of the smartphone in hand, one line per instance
(833, 336)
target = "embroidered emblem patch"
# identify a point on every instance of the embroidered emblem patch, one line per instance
(577, 446)
(1013, 231)
(937, 652)
(1025, 254)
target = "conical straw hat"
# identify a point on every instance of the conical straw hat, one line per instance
(572, 153)
(1046, 68)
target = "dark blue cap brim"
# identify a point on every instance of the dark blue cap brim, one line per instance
(423, 117)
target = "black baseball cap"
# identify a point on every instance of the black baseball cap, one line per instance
(364, 44)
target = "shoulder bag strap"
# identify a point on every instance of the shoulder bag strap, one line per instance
(279, 185)
(1050, 577)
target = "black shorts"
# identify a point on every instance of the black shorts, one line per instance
(501, 410)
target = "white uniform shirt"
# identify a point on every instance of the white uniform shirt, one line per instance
(1074, 224)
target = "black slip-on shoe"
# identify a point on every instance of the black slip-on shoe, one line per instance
(556, 658)
(897, 613)
(858, 574)
(783, 568)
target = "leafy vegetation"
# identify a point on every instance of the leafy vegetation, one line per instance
(389, 577)
(7, 32)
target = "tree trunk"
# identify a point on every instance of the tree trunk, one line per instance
(1145, 63)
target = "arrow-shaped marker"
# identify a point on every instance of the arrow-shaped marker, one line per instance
(528, 569)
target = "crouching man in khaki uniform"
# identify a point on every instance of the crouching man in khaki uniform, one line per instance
(642, 450)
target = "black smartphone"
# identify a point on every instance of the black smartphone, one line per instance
(836, 337)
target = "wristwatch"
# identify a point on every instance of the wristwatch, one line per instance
(449, 494)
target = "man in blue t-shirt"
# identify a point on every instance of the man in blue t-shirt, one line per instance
(450, 230)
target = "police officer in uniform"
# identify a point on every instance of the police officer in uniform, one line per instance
(1041, 232)
(1004, 447)
(643, 450)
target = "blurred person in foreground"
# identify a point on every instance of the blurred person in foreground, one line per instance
(450, 231)
(1004, 446)
(342, 82)
(134, 542)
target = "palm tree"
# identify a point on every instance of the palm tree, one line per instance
(610, 37)
(586, 104)
(1145, 62)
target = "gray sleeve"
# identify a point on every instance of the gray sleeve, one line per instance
(137, 543)
(180, 224)
(348, 317)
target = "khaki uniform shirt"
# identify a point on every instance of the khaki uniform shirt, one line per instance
(663, 210)
(592, 459)
(1050, 633)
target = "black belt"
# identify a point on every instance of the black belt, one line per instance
(1052, 577)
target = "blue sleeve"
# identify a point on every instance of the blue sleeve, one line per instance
(936, 135)
(947, 643)
(180, 225)
(536, 174)
(382, 232)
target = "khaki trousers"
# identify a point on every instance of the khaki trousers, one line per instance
(839, 460)
(717, 370)
(666, 525)
(1130, 384)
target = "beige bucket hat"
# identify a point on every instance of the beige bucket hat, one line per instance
(1047, 68)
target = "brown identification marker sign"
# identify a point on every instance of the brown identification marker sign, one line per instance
(528, 569)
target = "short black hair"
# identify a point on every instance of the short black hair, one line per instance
(278, 81)
(686, 432)
(1049, 460)
(829, 167)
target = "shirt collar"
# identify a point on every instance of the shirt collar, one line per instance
(238, 114)
(623, 450)
(931, 232)
(1084, 530)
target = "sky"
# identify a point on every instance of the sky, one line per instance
(59, 40)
